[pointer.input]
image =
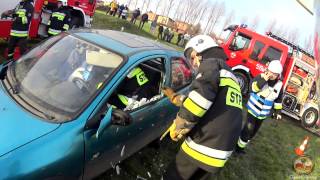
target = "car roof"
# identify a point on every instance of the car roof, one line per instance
(124, 43)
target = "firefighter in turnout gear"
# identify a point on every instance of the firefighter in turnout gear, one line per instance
(135, 86)
(209, 118)
(265, 98)
(60, 19)
(22, 15)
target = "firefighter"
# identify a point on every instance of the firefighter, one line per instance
(135, 86)
(22, 15)
(209, 118)
(60, 19)
(266, 93)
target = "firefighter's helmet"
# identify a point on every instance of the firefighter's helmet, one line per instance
(64, 2)
(275, 66)
(201, 43)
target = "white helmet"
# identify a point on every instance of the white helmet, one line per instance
(64, 2)
(201, 43)
(275, 66)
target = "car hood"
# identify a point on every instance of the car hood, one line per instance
(18, 127)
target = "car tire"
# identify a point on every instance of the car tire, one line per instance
(309, 117)
(243, 82)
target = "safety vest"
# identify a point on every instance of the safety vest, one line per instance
(140, 76)
(261, 101)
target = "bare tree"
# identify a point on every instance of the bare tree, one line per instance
(157, 6)
(293, 36)
(281, 31)
(188, 9)
(177, 10)
(163, 7)
(180, 10)
(308, 44)
(168, 6)
(228, 20)
(198, 12)
(202, 12)
(216, 11)
(143, 3)
(136, 4)
(129, 2)
(147, 5)
(271, 25)
(255, 22)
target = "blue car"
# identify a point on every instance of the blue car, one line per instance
(56, 118)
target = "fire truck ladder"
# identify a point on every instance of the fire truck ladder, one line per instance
(294, 46)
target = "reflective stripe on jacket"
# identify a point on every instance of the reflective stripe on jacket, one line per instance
(262, 100)
(140, 76)
(21, 19)
(59, 21)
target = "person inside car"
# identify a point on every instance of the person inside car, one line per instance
(134, 88)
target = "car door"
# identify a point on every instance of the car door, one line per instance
(118, 142)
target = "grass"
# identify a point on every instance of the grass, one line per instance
(103, 21)
(269, 154)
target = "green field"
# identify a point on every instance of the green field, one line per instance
(269, 154)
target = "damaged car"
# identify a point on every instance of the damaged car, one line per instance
(57, 120)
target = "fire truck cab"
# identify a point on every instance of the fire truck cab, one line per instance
(249, 54)
(81, 11)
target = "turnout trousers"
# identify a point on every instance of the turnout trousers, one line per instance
(183, 169)
(249, 130)
(14, 42)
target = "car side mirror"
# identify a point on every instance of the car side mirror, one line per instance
(113, 117)
(121, 118)
(104, 123)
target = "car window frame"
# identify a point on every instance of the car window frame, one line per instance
(189, 67)
(102, 107)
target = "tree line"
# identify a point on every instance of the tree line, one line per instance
(211, 17)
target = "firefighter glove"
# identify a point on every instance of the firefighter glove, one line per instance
(179, 128)
(176, 99)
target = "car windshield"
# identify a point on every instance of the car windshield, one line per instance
(63, 74)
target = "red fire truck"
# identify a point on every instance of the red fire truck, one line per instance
(81, 11)
(249, 54)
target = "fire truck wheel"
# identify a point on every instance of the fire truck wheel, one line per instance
(74, 23)
(309, 117)
(243, 81)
